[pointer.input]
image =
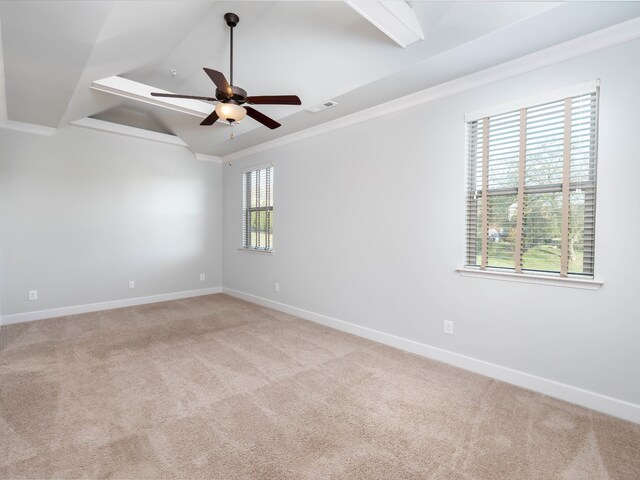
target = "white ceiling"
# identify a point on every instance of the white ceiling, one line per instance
(53, 50)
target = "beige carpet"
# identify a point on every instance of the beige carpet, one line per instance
(214, 387)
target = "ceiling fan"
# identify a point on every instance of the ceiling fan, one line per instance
(231, 98)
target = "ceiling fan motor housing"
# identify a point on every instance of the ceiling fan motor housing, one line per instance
(238, 97)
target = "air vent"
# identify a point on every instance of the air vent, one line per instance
(322, 106)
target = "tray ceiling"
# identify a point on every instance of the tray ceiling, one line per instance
(53, 51)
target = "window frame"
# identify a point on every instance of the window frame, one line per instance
(473, 195)
(248, 211)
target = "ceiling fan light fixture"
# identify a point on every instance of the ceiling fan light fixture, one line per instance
(230, 112)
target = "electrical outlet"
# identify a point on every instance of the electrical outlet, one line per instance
(448, 327)
(33, 294)
(202, 277)
(277, 287)
(132, 284)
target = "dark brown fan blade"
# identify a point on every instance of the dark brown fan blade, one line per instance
(211, 119)
(174, 95)
(219, 80)
(262, 118)
(274, 100)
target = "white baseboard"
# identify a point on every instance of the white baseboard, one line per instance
(595, 401)
(94, 307)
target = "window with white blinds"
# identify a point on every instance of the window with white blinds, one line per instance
(531, 189)
(257, 209)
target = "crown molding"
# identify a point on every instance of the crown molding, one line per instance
(601, 39)
(101, 125)
(27, 127)
(208, 158)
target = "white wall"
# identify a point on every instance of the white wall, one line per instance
(369, 227)
(83, 212)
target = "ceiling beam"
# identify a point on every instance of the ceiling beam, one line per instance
(395, 19)
(123, 87)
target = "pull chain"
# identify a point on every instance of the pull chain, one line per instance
(231, 137)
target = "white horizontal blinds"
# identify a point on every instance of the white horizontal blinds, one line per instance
(539, 165)
(246, 201)
(566, 167)
(474, 193)
(519, 212)
(582, 178)
(257, 218)
(502, 188)
(542, 226)
(485, 182)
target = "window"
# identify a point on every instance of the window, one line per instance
(257, 209)
(531, 189)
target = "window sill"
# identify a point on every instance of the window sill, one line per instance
(253, 250)
(568, 282)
